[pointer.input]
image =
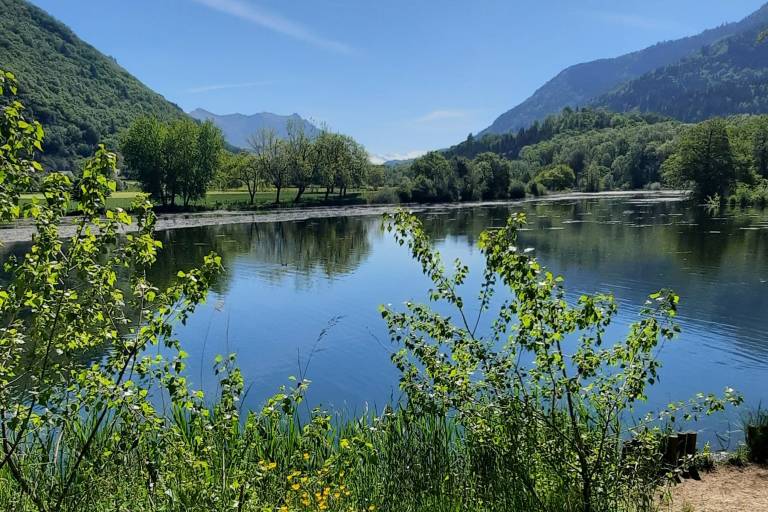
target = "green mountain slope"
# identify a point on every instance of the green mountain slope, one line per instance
(568, 122)
(81, 96)
(577, 85)
(728, 77)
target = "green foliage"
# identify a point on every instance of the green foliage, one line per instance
(756, 435)
(330, 160)
(174, 159)
(433, 179)
(750, 195)
(82, 96)
(536, 189)
(703, 156)
(63, 301)
(516, 190)
(569, 121)
(541, 397)
(238, 169)
(724, 78)
(580, 84)
(557, 177)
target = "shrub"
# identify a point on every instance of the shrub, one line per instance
(558, 177)
(654, 186)
(539, 398)
(384, 196)
(516, 190)
(536, 189)
(756, 435)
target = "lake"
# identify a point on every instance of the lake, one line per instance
(303, 295)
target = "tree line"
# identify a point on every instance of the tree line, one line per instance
(722, 157)
(183, 159)
(331, 161)
(592, 151)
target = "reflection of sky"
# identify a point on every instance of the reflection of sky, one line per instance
(271, 312)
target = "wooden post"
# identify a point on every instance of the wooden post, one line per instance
(690, 443)
(688, 454)
(672, 450)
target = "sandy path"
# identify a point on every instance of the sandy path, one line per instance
(726, 489)
(22, 231)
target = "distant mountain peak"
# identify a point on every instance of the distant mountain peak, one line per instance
(238, 128)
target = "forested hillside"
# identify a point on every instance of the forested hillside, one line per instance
(81, 96)
(728, 77)
(567, 122)
(578, 84)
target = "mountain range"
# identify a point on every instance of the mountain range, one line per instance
(237, 128)
(717, 72)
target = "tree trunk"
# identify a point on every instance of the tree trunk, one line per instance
(277, 198)
(327, 191)
(299, 192)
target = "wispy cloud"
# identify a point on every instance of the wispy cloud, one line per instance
(386, 157)
(443, 115)
(222, 87)
(637, 21)
(248, 12)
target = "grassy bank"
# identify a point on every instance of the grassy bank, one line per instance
(240, 200)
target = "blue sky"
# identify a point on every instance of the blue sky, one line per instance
(401, 76)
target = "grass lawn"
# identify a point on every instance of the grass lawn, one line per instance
(239, 198)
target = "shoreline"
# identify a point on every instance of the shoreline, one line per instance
(22, 231)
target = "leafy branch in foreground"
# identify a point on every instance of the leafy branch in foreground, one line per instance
(524, 412)
(73, 339)
(539, 387)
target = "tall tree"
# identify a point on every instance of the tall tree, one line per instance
(760, 147)
(209, 142)
(172, 159)
(271, 159)
(142, 148)
(498, 177)
(329, 157)
(244, 167)
(300, 156)
(704, 158)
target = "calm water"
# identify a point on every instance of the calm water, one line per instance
(288, 283)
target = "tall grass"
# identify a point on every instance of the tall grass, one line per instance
(396, 461)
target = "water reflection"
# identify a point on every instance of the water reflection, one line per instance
(286, 281)
(275, 250)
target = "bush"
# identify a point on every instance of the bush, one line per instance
(558, 177)
(539, 400)
(384, 196)
(749, 195)
(536, 189)
(655, 186)
(756, 435)
(516, 190)
(405, 191)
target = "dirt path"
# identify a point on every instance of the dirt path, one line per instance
(23, 231)
(726, 489)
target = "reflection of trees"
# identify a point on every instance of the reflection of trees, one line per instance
(636, 245)
(710, 259)
(332, 246)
